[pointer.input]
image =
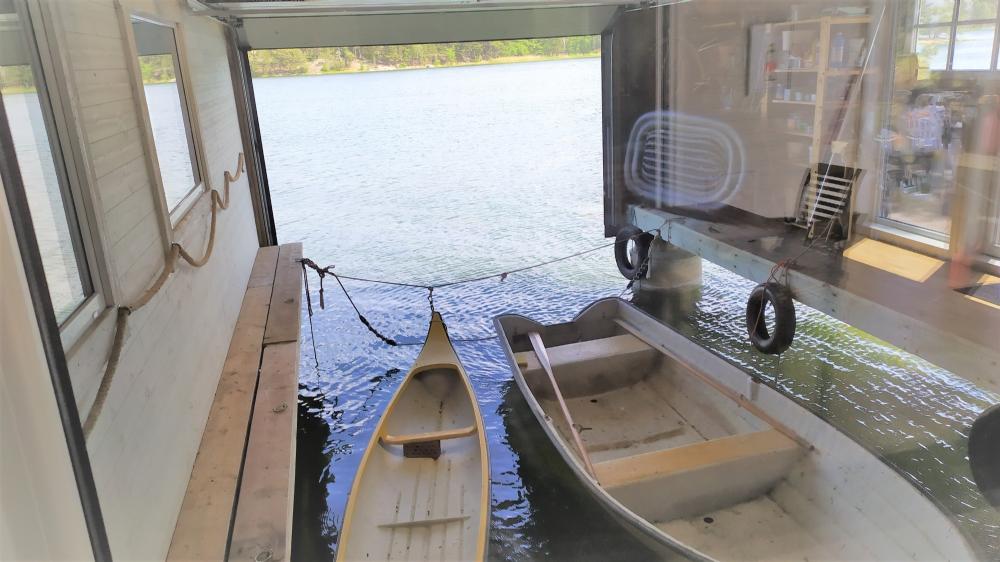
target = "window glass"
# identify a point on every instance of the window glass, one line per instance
(977, 10)
(932, 47)
(936, 11)
(973, 47)
(52, 209)
(168, 118)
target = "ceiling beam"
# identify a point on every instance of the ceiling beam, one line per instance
(433, 27)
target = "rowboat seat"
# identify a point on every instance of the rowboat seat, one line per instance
(589, 367)
(698, 478)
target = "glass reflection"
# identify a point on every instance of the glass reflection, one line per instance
(165, 102)
(52, 209)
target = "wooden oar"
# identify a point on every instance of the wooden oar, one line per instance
(543, 360)
(721, 388)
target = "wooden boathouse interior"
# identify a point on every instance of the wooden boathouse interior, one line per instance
(148, 404)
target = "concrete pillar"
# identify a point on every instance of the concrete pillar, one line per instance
(672, 285)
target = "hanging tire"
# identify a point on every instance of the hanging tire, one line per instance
(781, 302)
(632, 269)
(984, 454)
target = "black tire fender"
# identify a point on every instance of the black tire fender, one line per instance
(984, 453)
(781, 301)
(642, 240)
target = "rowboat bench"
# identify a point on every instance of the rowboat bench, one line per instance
(702, 477)
(583, 366)
(677, 481)
(239, 500)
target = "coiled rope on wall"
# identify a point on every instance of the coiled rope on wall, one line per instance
(220, 202)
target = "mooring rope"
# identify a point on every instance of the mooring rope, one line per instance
(176, 252)
(501, 276)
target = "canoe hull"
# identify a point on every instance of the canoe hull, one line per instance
(422, 489)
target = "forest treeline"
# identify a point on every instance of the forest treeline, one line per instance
(290, 62)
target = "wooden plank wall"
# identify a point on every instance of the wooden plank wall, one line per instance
(144, 444)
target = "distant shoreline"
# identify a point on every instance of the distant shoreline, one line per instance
(388, 68)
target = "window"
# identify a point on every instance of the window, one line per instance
(56, 213)
(167, 111)
(956, 34)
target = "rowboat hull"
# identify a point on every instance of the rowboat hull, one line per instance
(422, 491)
(698, 458)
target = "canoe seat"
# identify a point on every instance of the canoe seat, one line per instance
(443, 435)
(693, 479)
(426, 445)
(589, 367)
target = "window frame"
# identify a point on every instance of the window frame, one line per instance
(991, 247)
(921, 238)
(952, 26)
(170, 219)
(75, 188)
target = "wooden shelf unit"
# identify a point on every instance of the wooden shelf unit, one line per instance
(824, 29)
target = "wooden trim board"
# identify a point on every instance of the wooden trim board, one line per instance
(286, 301)
(262, 524)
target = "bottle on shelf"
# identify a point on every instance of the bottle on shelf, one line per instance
(838, 49)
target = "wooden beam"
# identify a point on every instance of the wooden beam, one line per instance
(926, 318)
(264, 268)
(286, 302)
(262, 525)
(202, 528)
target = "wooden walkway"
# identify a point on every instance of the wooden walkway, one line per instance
(239, 500)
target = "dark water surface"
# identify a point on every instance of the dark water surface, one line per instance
(432, 175)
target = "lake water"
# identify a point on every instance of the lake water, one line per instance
(425, 176)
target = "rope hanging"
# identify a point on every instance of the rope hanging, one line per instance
(322, 272)
(176, 252)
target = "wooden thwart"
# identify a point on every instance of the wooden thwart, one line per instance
(429, 436)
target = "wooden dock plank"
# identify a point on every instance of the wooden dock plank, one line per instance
(262, 527)
(202, 527)
(264, 267)
(283, 321)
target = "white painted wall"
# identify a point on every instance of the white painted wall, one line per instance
(40, 513)
(144, 443)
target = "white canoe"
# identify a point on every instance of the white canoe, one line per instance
(698, 458)
(422, 491)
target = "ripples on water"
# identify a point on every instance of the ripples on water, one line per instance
(432, 175)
